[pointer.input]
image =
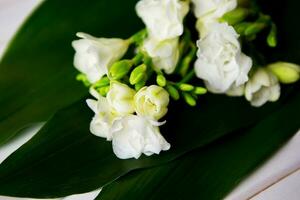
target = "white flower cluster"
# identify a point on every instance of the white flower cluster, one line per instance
(221, 63)
(131, 134)
(164, 22)
(130, 118)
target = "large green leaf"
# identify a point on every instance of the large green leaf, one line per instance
(213, 171)
(37, 76)
(64, 158)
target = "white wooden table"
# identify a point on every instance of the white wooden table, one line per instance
(278, 179)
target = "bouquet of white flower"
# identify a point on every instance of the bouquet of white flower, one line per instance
(166, 48)
(172, 87)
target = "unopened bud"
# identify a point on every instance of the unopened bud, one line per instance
(189, 99)
(140, 85)
(286, 73)
(173, 92)
(104, 81)
(83, 78)
(186, 87)
(236, 16)
(103, 91)
(161, 80)
(272, 37)
(137, 74)
(120, 69)
(200, 90)
(255, 28)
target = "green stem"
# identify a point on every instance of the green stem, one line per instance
(188, 77)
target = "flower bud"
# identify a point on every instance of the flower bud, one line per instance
(186, 87)
(173, 92)
(255, 28)
(236, 16)
(189, 99)
(137, 74)
(161, 80)
(200, 90)
(272, 37)
(103, 91)
(140, 85)
(152, 102)
(285, 72)
(120, 98)
(83, 78)
(119, 69)
(104, 81)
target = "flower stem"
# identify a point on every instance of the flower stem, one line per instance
(188, 77)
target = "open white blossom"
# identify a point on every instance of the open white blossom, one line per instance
(262, 87)
(164, 54)
(152, 102)
(220, 61)
(120, 98)
(134, 135)
(104, 116)
(163, 18)
(213, 9)
(94, 55)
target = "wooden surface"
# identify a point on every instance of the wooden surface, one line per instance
(278, 179)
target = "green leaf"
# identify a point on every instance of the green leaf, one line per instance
(37, 76)
(213, 171)
(64, 158)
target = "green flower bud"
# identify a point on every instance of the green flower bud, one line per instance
(255, 28)
(200, 90)
(103, 90)
(286, 73)
(173, 92)
(272, 37)
(138, 58)
(139, 36)
(235, 16)
(189, 99)
(186, 87)
(83, 78)
(104, 81)
(140, 85)
(241, 28)
(161, 80)
(137, 74)
(120, 69)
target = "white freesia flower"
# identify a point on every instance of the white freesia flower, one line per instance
(163, 18)
(104, 116)
(152, 102)
(164, 54)
(262, 87)
(213, 9)
(134, 135)
(220, 61)
(95, 55)
(120, 98)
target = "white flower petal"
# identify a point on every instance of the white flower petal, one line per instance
(163, 18)
(94, 55)
(164, 54)
(262, 87)
(134, 135)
